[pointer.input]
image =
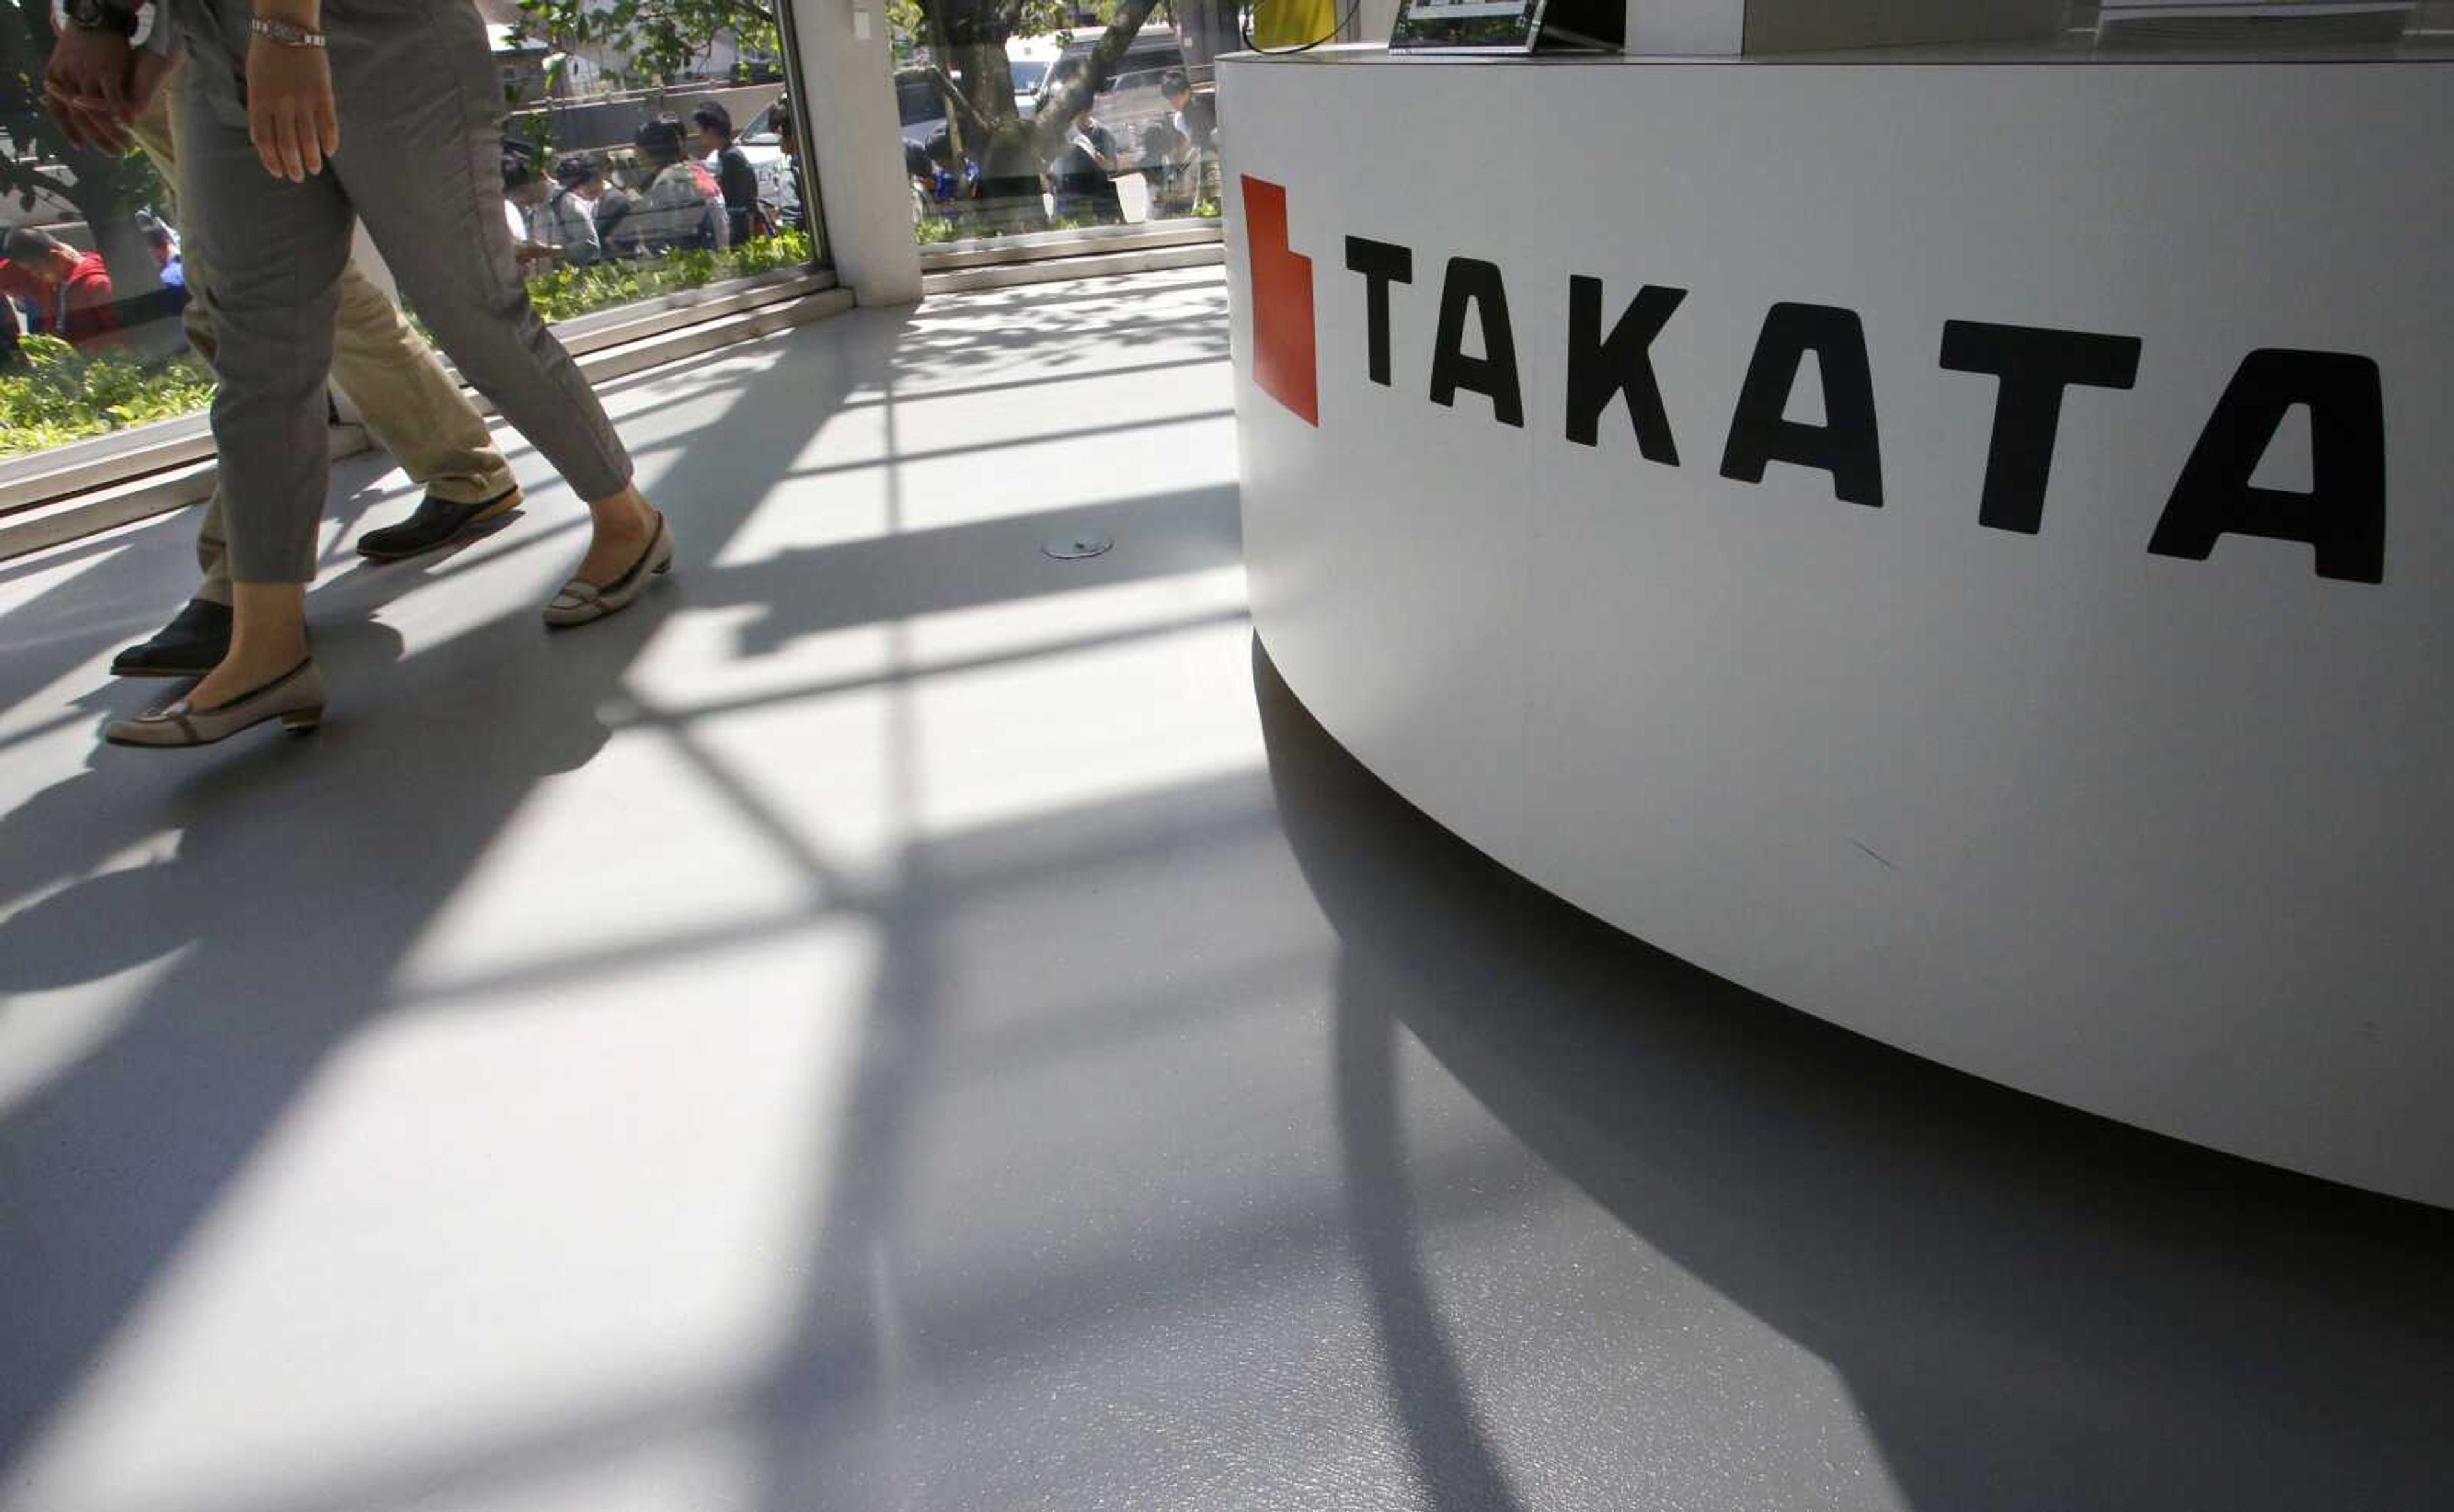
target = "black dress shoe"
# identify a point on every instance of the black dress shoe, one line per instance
(438, 522)
(189, 646)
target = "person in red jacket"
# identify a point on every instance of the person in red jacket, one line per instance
(71, 290)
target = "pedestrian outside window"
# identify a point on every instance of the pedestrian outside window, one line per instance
(640, 163)
(647, 157)
(1039, 116)
(92, 271)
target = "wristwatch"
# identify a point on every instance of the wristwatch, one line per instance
(135, 23)
(286, 33)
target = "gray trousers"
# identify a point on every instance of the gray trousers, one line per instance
(410, 405)
(420, 109)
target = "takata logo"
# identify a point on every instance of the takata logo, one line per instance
(1283, 361)
(1609, 363)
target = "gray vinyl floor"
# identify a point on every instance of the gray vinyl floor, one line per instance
(899, 1021)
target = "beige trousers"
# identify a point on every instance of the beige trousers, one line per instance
(411, 406)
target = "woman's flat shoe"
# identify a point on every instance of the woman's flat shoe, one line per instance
(581, 601)
(295, 698)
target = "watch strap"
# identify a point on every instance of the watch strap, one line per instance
(288, 33)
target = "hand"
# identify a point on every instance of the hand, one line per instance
(290, 115)
(145, 71)
(85, 88)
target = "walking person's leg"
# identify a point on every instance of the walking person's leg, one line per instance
(276, 251)
(198, 636)
(412, 408)
(416, 97)
(417, 411)
(420, 110)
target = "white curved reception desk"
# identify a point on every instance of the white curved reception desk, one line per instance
(1959, 542)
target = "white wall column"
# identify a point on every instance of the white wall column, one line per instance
(856, 146)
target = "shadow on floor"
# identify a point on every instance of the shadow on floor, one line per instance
(2033, 1307)
(304, 871)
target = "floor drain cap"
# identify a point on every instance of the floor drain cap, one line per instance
(1084, 543)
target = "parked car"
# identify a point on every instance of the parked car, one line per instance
(918, 103)
(1029, 74)
(921, 108)
(1130, 99)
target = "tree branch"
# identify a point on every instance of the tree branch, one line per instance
(1067, 96)
(954, 91)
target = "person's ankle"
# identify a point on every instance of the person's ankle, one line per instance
(269, 657)
(629, 502)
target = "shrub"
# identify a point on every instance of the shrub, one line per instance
(61, 394)
(569, 291)
(786, 249)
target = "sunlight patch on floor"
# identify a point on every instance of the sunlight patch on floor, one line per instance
(632, 846)
(30, 622)
(1002, 743)
(663, 1172)
(696, 661)
(45, 1032)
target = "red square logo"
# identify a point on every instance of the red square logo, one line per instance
(1282, 329)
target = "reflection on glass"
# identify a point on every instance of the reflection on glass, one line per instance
(1027, 115)
(92, 275)
(649, 151)
(642, 156)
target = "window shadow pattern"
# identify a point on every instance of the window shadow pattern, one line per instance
(1178, 1123)
(2031, 1306)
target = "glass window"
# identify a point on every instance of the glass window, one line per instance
(651, 152)
(1017, 120)
(619, 183)
(92, 279)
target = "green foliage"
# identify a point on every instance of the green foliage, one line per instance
(534, 129)
(931, 231)
(570, 292)
(974, 21)
(661, 38)
(788, 248)
(906, 26)
(61, 394)
(567, 293)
